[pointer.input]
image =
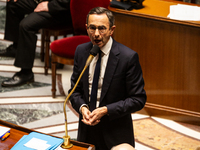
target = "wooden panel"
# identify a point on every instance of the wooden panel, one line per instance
(169, 53)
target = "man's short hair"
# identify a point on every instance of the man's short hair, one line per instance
(102, 10)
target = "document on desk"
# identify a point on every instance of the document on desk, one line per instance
(41, 144)
(3, 130)
(184, 12)
(37, 141)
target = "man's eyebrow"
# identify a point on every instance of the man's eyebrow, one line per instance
(97, 26)
(102, 26)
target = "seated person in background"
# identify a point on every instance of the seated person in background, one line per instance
(123, 146)
(23, 20)
(105, 111)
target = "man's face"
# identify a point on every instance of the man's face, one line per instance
(98, 29)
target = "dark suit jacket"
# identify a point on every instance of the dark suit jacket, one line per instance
(58, 5)
(60, 9)
(122, 92)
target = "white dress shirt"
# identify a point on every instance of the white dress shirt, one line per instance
(104, 59)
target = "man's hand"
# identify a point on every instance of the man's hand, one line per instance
(85, 113)
(93, 118)
(43, 6)
(97, 114)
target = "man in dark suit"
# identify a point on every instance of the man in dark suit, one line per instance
(23, 20)
(120, 86)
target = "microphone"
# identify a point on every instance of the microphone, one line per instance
(93, 52)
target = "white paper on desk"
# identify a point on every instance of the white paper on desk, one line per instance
(37, 144)
(184, 12)
(3, 130)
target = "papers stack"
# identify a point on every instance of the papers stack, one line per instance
(184, 12)
(3, 130)
(37, 141)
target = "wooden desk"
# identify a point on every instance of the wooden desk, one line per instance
(17, 132)
(169, 52)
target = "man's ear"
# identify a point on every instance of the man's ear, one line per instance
(112, 30)
(86, 26)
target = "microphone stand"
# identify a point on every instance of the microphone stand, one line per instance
(66, 144)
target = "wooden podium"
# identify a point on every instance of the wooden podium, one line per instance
(169, 52)
(17, 132)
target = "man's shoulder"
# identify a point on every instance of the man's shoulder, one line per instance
(123, 48)
(85, 46)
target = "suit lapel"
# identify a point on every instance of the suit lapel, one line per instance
(110, 69)
(86, 84)
(86, 74)
(109, 73)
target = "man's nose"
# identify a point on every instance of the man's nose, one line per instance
(96, 32)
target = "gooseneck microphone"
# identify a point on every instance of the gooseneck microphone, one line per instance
(93, 52)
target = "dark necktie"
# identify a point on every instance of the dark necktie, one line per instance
(93, 98)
